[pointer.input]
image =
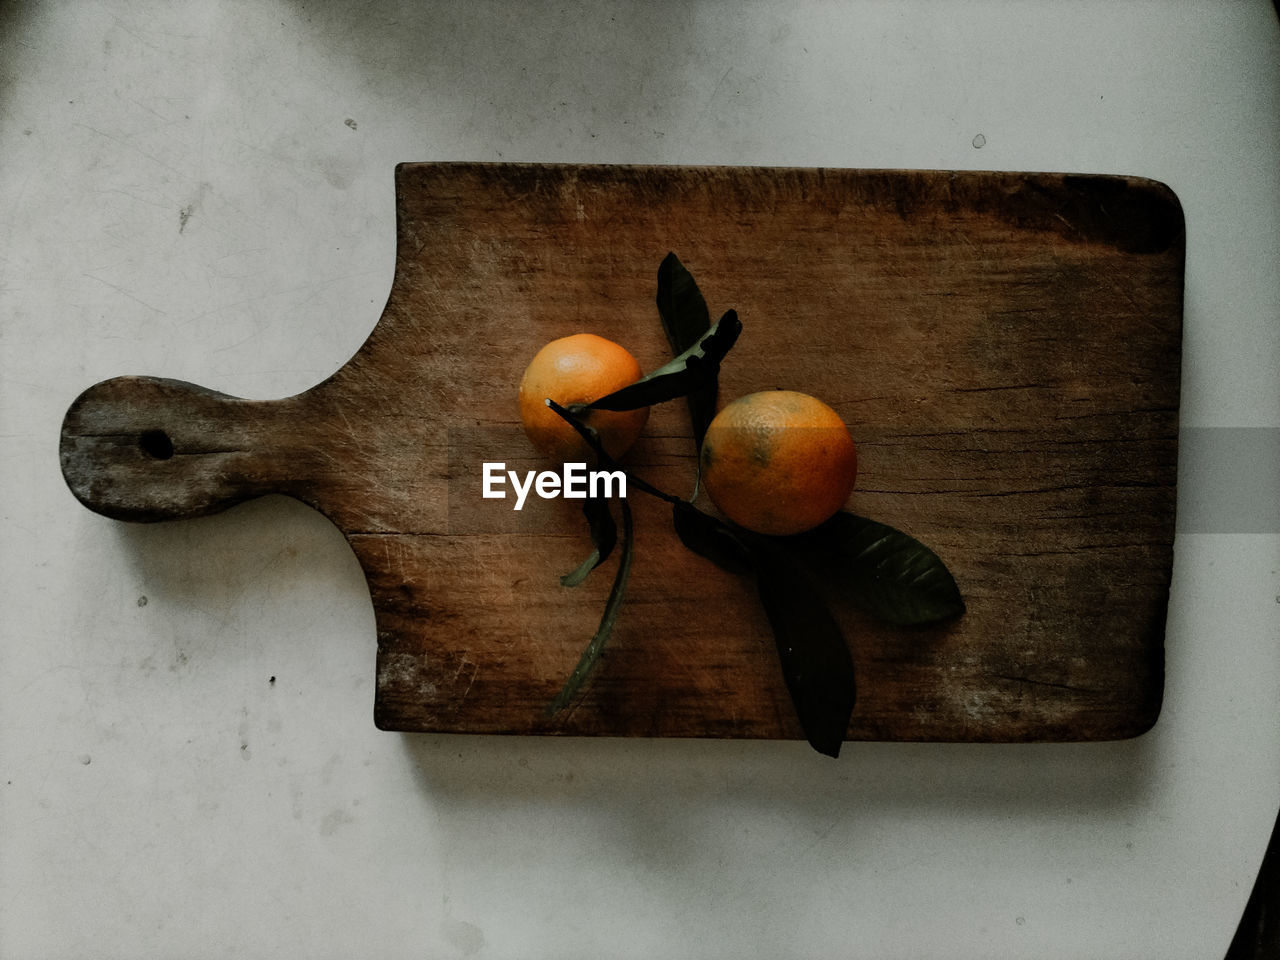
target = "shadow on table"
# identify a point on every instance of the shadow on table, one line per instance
(1071, 781)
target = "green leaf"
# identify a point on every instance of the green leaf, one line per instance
(607, 620)
(684, 320)
(695, 369)
(890, 574)
(816, 663)
(604, 535)
(709, 538)
(684, 313)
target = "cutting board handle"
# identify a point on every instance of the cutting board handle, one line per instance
(148, 449)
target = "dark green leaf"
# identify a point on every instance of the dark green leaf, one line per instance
(816, 664)
(815, 660)
(892, 575)
(695, 368)
(709, 538)
(684, 320)
(684, 313)
(610, 616)
(604, 534)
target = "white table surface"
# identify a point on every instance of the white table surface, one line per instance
(203, 190)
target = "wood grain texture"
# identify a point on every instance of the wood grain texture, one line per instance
(1004, 347)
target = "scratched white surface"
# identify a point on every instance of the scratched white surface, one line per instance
(203, 190)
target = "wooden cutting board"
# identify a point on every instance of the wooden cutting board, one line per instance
(1004, 347)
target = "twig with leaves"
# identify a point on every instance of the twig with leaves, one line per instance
(890, 574)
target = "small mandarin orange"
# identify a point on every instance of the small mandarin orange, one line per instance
(579, 369)
(778, 462)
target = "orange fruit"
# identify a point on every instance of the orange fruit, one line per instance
(579, 369)
(778, 462)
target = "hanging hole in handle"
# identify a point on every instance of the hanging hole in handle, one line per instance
(156, 444)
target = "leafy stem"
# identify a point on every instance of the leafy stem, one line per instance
(588, 433)
(891, 574)
(607, 620)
